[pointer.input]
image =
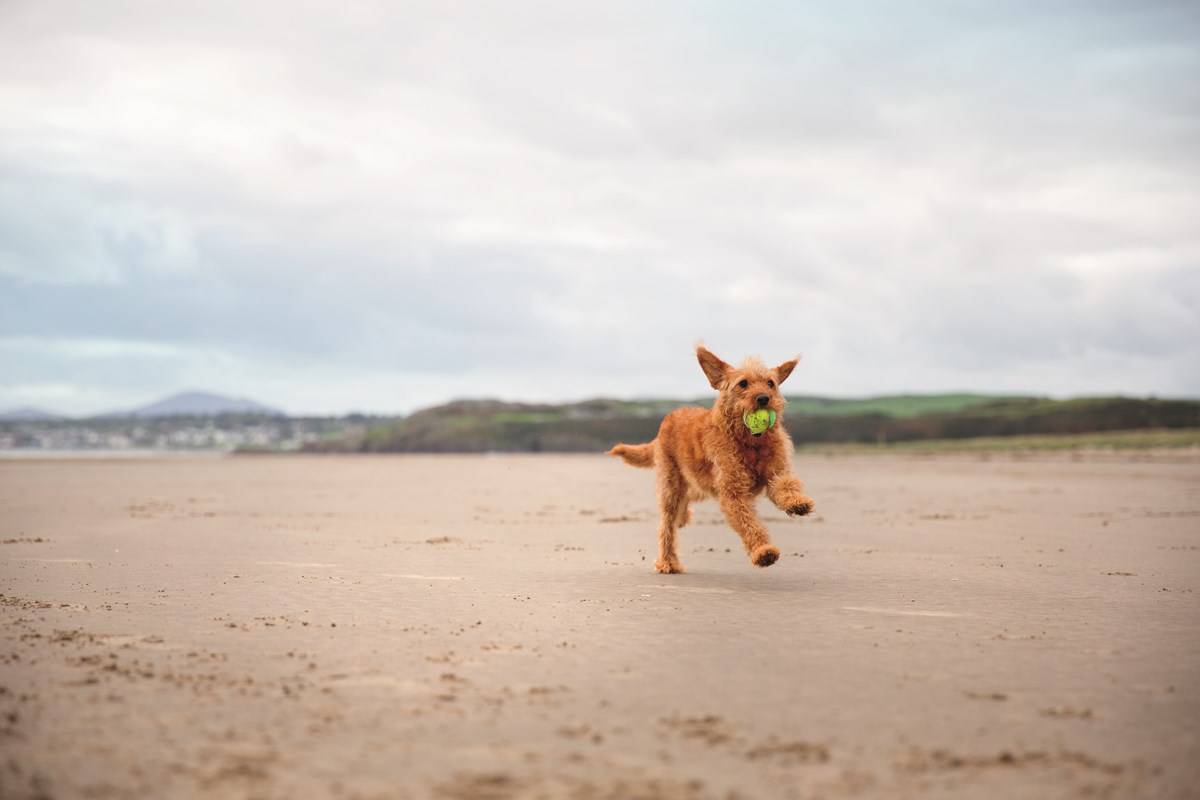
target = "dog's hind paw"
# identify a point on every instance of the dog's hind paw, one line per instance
(764, 556)
(671, 567)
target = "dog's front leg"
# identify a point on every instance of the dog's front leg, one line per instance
(739, 511)
(787, 493)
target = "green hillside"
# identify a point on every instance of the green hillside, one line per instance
(897, 406)
(595, 425)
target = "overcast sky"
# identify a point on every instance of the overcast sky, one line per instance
(379, 206)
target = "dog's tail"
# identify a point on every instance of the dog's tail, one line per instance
(636, 455)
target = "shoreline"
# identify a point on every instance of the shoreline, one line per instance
(1172, 455)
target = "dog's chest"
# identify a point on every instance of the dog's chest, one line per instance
(760, 461)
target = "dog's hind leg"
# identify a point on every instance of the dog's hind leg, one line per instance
(742, 517)
(673, 505)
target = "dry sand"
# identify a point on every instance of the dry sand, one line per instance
(490, 627)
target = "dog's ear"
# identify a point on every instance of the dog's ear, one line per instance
(785, 369)
(713, 367)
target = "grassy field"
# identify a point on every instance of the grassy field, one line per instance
(923, 423)
(901, 406)
(1178, 438)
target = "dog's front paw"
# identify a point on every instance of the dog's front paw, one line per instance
(802, 508)
(764, 556)
(668, 567)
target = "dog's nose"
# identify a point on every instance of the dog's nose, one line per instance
(762, 399)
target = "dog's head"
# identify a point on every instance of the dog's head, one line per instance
(748, 388)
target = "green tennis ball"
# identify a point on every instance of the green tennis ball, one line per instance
(759, 421)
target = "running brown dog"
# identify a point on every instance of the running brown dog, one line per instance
(734, 451)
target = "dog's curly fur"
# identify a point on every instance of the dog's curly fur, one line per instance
(701, 453)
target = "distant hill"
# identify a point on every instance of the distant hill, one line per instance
(197, 404)
(898, 406)
(595, 425)
(29, 415)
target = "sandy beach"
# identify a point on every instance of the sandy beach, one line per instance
(490, 627)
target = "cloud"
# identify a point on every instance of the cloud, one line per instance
(406, 202)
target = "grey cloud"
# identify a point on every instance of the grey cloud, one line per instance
(531, 199)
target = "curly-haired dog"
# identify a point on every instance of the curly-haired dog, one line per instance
(733, 452)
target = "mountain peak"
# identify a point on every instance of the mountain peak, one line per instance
(198, 404)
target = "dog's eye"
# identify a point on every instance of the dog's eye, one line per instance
(771, 384)
(743, 383)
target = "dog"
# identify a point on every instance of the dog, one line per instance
(734, 452)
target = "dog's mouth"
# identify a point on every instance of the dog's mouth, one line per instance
(759, 421)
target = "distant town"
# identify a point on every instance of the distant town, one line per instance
(196, 421)
(226, 432)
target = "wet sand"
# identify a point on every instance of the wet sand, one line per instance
(490, 627)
